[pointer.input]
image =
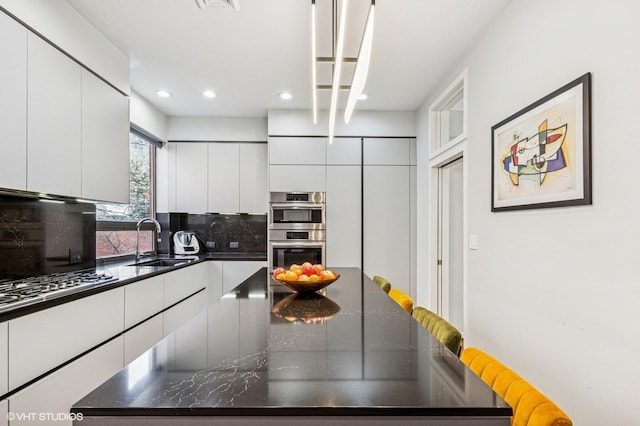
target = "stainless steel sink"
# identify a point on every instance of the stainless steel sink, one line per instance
(164, 262)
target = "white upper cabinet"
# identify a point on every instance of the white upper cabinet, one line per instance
(64, 131)
(300, 177)
(191, 177)
(290, 150)
(388, 151)
(346, 151)
(13, 104)
(253, 178)
(53, 121)
(105, 141)
(224, 177)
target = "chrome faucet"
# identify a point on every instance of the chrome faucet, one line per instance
(138, 225)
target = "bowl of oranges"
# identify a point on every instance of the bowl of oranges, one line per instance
(305, 278)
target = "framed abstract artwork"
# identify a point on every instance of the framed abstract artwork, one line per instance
(541, 155)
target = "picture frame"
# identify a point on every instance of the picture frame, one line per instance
(541, 155)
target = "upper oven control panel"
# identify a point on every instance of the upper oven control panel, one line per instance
(297, 197)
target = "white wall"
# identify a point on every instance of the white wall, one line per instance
(225, 129)
(147, 118)
(554, 293)
(57, 21)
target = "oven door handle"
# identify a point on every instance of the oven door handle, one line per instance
(297, 244)
(297, 206)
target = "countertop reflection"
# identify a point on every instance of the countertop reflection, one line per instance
(305, 307)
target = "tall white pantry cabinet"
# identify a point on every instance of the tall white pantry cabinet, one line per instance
(370, 186)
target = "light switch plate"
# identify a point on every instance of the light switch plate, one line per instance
(473, 242)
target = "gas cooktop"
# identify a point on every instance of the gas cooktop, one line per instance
(17, 293)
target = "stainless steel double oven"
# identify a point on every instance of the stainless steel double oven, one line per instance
(296, 228)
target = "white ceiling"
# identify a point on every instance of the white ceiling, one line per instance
(248, 57)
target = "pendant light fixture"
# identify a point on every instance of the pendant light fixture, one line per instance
(362, 66)
(337, 69)
(362, 62)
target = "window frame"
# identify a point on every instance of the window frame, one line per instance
(436, 145)
(117, 225)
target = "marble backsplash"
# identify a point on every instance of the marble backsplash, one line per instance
(217, 232)
(39, 237)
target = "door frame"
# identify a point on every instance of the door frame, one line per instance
(453, 153)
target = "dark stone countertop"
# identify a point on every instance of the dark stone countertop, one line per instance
(123, 272)
(348, 350)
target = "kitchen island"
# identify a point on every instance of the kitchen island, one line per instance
(264, 355)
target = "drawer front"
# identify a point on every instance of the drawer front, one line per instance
(46, 339)
(143, 300)
(57, 392)
(183, 312)
(141, 338)
(183, 283)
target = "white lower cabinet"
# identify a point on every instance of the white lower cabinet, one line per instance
(43, 340)
(183, 312)
(235, 272)
(214, 281)
(142, 337)
(184, 282)
(142, 300)
(54, 395)
(4, 362)
(4, 412)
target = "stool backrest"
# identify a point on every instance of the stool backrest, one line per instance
(441, 329)
(530, 406)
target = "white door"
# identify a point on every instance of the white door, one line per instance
(451, 243)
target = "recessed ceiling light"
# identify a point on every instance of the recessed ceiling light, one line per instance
(209, 94)
(163, 93)
(285, 96)
(363, 97)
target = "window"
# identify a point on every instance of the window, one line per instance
(116, 223)
(448, 117)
